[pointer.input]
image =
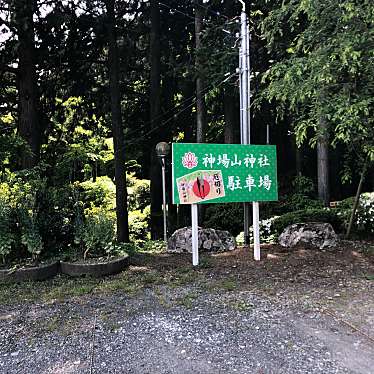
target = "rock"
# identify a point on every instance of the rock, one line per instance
(320, 235)
(210, 240)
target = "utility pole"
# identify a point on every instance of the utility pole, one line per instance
(245, 123)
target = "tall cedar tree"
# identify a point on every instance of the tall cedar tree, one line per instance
(28, 99)
(231, 97)
(155, 107)
(118, 139)
(199, 63)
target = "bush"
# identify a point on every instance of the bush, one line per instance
(101, 193)
(303, 197)
(308, 215)
(267, 234)
(365, 214)
(138, 191)
(96, 234)
(139, 225)
(154, 246)
(225, 217)
(364, 217)
(20, 209)
(7, 237)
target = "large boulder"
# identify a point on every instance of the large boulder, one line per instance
(210, 240)
(316, 234)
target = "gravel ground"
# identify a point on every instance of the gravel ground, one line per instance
(272, 324)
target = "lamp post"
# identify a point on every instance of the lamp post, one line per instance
(162, 150)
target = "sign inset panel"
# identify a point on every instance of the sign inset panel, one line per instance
(201, 185)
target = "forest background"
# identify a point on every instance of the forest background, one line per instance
(88, 88)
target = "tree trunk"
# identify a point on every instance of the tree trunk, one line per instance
(323, 163)
(28, 124)
(118, 138)
(200, 97)
(155, 108)
(231, 96)
(231, 113)
(356, 202)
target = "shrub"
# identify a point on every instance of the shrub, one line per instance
(225, 217)
(96, 234)
(308, 215)
(138, 225)
(101, 193)
(7, 237)
(153, 246)
(138, 191)
(21, 195)
(267, 234)
(59, 208)
(303, 197)
(302, 185)
(364, 217)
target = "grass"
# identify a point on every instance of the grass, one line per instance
(187, 300)
(241, 306)
(369, 250)
(62, 287)
(161, 298)
(226, 284)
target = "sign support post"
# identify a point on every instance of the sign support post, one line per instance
(256, 231)
(195, 235)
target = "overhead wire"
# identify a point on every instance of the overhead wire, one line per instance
(177, 106)
(193, 97)
(184, 109)
(227, 19)
(176, 10)
(218, 14)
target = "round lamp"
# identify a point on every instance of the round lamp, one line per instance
(162, 149)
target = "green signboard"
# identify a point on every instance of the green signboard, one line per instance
(222, 173)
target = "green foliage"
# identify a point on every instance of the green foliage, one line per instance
(7, 238)
(308, 215)
(267, 233)
(32, 240)
(303, 186)
(225, 217)
(138, 225)
(138, 191)
(11, 144)
(20, 197)
(324, 70)
(78, 141)
(129, 248)
(364, 217)
(303, 196)
(101, 193)
(153, 246)
(96, 235)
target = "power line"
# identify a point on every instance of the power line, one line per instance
(203, 91)
(184, 109)
(218, 14)
(193, 18)
(177, 10)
